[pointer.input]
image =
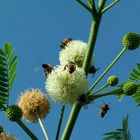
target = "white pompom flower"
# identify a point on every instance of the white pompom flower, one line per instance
(65, 87)
(75, 52)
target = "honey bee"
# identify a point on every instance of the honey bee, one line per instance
(71, 67)
(83, 98)
(103, 110)
(65, 42)
(47, 69)
(92, 70)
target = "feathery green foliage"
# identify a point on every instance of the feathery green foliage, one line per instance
(121, 133)
(135, 74)
(8, 63)
(135, 77)
(136, 96)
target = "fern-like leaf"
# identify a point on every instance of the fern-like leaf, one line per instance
(135, 74)
(135, 77)
(136, 96)
(120, 134)
(8, 63)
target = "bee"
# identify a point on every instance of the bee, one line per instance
(103, 110)
(92, 70)
(71, 67)
(65, 42)
(82, 98)
(47, 69)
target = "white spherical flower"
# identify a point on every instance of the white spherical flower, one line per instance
(65, 87)
(75, 52)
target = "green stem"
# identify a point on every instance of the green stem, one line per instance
(84, 5)
(108, 68)
(87, 61)
(91, 43)
(71, 121)
(27, 130)
(101, 5)
(101, 88)
(93, 10)
(110, 6)
(43, 128)
(111, 92)
(60, 122)
(77, 107)
(89, 3)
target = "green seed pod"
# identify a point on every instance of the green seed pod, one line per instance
(129, 88)
(131, 41)
(1, 129)
(113, 80)
(14, 113)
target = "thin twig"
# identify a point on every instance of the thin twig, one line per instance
(84, 5)
(117, 91)
(60, 122)
(108, 68)
(109, 6)
(27, 130)
(89, 3)
(101, 5)
(101, 88)
(43, 128)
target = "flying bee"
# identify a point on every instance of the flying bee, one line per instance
(65, 42)
(103, 110)
(47, 69)
(92, 70)
(71, 67)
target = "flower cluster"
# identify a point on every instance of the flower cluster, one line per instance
(64, 87)
(68, 80)
(75, 52)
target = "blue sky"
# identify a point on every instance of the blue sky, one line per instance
(36, 29)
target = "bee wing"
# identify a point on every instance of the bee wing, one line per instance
(36, 69)
(97, 107)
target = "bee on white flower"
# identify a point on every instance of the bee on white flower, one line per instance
(71, 67)
(75, 51)
(64, 87)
